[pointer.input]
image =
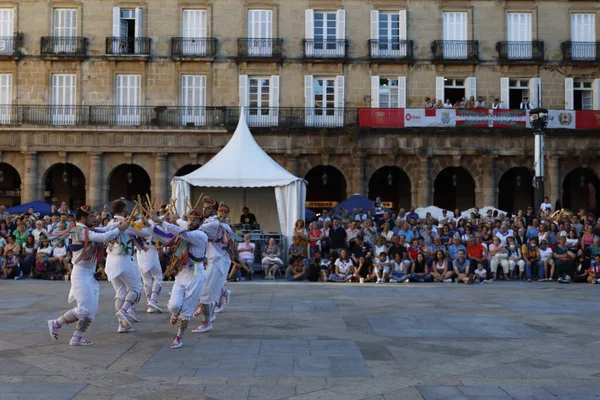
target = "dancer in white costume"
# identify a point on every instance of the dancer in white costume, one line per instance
(190, 275)
(87, 247)
(122, 270)
(149, 265)
(225, 296)
(218, 262)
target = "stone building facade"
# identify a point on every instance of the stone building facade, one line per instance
(78, 120)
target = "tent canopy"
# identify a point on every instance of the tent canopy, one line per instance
(356, 201)
(38, 207)
(242, 164)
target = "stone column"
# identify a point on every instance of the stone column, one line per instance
(358, 176)
(94, 183)
(423, 183)
(160, 178)
(554, 175)
(291, 163)
(488, 195)
(29, 187)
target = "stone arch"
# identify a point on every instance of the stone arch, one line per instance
(65, 182)
(10, 185)
(392, 184)
(342, 163)
(515, 190)
(581, 189)
(186, 169)
(129, 180)
(454, 187)
(325, 183)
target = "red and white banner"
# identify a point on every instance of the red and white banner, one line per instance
(473, 118)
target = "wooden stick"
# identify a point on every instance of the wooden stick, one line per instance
(198, 201)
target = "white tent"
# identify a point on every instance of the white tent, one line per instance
(248, 173)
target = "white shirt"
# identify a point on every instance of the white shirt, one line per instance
(495, 106)
(59, 251)
(480, 104)
(343, 266)
(546, 207)
(503, 236)
(545, 254)
(447, 105)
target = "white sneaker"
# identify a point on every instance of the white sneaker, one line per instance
(132, 315)
(447, 280)
(203, 328)
(177, 342)
(124, 329)
(212, 318)
(53, 330)
(406, 280)
(150, 310)
(379, 281)
(393, 281)
(488, 281)
(79, 341)
(122, 317)
(218, 309)
(155, 307)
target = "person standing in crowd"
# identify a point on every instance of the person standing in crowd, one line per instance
(337, 237)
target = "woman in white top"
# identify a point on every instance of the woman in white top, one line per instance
(440, 271)
(343, 268)
(572, 241)
(448, 104)
(379, 247)
(246, 258)
(386, 233)
(58, 262)
(543, 235)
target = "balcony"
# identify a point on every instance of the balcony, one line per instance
(391, 51)
(455, 51)
(9, 46)
(288, 117)
(64, 47)
(325, 49)
(267, 50)
(124, 47)
(520, 52)
(581, 52)
(190, 48)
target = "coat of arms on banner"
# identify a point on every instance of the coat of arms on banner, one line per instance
(445, 117)
(565, 119)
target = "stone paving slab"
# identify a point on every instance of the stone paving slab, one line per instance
(310, 341)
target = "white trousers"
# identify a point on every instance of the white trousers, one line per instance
(152, 278)
(495, 261)
(128, 286)
(186, 291)
(84, 291)
(519, 263)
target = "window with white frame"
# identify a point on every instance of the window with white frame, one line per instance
(127, 99)
(325, 33)
(260, 31)
(583, 36)
(582, 95)
(260, 97)
(519, 35)
(455, 35)
(127, 30)
(193, 100)
(518, 91)
(64, 29)
(388, 92)
(193, 32)
(5, 98)
(7, 16)
(63, 98)
(324, 100)
(388, 34)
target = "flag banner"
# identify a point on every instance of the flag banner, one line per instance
(472, 118)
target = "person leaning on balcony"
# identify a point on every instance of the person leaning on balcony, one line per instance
(525, 104)
(457, 105)
(428, 102)
(496, 104)
(439, 104)
(470, 103)
(448, 104)
(480, 103)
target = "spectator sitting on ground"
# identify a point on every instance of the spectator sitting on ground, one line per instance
(59, 263)
(515, 258)
(531, 256)
(418, 270)
(344, 268)
(247, 218)
(44, 252)
(271, 261)
(27, 259)
(498, 256)
(12, 246)
(480, 275)
(325, 264)
(381, 267)
(10, 266)
(461, 270)
(593, 272)
(440, 272)
(563, 260)
(547, 261)
(297, 271)
(246, 255)
(399, 269)
(361, 254)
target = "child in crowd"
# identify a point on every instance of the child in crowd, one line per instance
(594, 271)
(480, 275)
(10, 266)
(326, 265)
(381, 267)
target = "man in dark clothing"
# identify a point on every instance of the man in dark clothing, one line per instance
(361, 254)
(247, 217)
(337, 236)
(397, 248)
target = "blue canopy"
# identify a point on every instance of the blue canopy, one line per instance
(309, 214)
(356, 201)
(38, 207)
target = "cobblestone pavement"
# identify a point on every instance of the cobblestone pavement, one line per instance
(305, 341)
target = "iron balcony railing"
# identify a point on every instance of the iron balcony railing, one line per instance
(128, 46)
(193, 47)
(285, 117)
(267, 48)
(515, 52)
(455, 50)
(64, 46)
(325, 48)
(581, 51)
(9, 45)
(288, 117)
(391, 49)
